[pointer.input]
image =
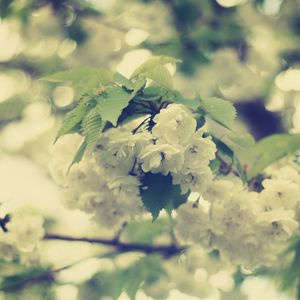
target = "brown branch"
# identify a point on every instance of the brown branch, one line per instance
(122, 247)
(119, 247)
(46, 276)
(3, 222)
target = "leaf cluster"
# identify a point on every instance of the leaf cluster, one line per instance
(144, 271)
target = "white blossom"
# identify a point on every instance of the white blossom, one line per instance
(242, 225)
(24, 231)
(162, 158)
(199, 151)
(193, 180)
(175, 124)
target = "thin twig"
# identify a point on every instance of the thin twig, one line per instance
(47, 275)
(122, 247)
(227, 168)
(120, 231)
(3, 222)
(119, 247)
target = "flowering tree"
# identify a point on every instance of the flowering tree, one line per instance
(178, 197)
(174, 181)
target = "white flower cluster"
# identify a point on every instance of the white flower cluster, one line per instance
(107, 182)
(20, 241)
(178, 148)
(248, 228)
(181, 149)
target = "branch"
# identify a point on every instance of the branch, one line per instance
(3, 222)
(226, 168)
(45, 276)
(122, 247)
(119, 247)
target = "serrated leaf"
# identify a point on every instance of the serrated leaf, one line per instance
(191, 103)
(79, 154)
(158, 192)
(152, 63)
(270, 150)
(122, 80)
(161, 76)
(92, 126)
(72, 120)
(83, 79)
(112, 102)
(219, 110)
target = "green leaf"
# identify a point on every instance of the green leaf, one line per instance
(152, 63)
(145, 231)
(244, 140)
(290, 276)
(92, 126)
(103, 284)
(139, 84)
(83, 79)
(190, 103)
(238, 142)
(240, 169)
(236, 146)
(219, 110)
(122, 80)
(176, 198)
(72, 120)
(158, 192)
(112, 102)
(79, 154)
(214, 165)
(270, 150)
(148, 270)
(161, 76)
(152, 91)
(11, 110)
(15, 282)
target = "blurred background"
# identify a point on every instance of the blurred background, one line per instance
(245, 51)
